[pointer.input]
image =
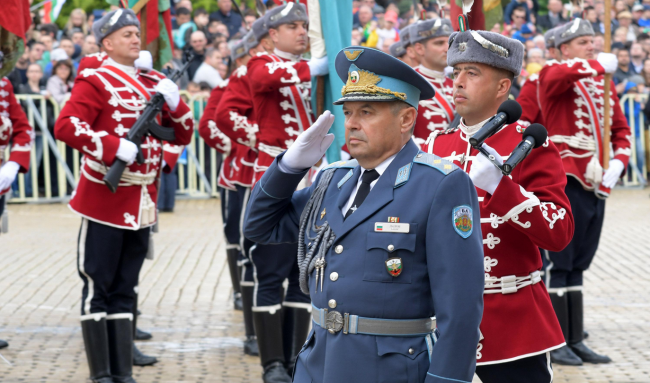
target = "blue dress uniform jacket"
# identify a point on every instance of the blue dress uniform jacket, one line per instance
(442, 271)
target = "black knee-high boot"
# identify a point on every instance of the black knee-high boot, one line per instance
(564, 355)
(576, 331)
(93, 328)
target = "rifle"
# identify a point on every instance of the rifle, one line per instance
(146, 124)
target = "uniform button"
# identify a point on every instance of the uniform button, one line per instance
(334, 276)
(338, 249)
(419, 155)
(411, 351)
(391, 248)
(332, 303)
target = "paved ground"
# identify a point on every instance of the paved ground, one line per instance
(185, 299)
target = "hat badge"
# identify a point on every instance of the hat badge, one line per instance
(354, 77)
(353, 54)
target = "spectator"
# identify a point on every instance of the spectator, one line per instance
(223, 71)
(644, 21)
(554, 16)
(34, 84)
(540, 42)
(518, 17)
(356, 37)
(645, 73)
(592, 16)
(620, 35)
(637, 57)
(364, 16)
(36, 50)
(620, 6)
(388, 30)
(60, 84)
(385, 45)
(508, 13)
(637, 13)
(187, 4)
(249, 19)
(48, 42)
(50, 30)
(67, 45)
(623, 72)
(212, 31)
(524, 34)
(224, 50)
(222, 30)
(90, 46)
(644, 40)
(179, 36)
(536, 55)
(59, 54)
(599, 44)
(230, 19)
(78, 38)
(199, 23)
(208, 71)
(183, 15)
(18, 75)
(76, 22)
(198, 43)
(625, 21)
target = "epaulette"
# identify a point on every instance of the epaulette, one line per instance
(349, 164)
(443, 166)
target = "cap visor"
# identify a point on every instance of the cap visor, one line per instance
(366, 97)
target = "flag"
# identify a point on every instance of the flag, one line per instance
(52, 10)
(15, 17)
(336, 29)
(483, 15)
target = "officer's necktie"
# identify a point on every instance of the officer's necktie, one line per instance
(367, 178)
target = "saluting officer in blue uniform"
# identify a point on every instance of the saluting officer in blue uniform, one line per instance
(386, 241)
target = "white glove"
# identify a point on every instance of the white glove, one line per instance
(608, 61)
(613, 173)
(169, 90)
(318, 67)
(310, 146)
(8, 173)
(145, 61)
(127, 151)
(483, 173)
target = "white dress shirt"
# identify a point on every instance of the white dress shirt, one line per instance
(381, 168)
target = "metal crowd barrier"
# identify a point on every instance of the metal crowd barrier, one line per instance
(637, 170)
(55, 167)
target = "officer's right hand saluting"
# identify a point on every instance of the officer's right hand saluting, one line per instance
(311, 145)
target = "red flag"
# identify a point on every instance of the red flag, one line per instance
(9, 20)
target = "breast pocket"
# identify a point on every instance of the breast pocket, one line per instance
(388, 256)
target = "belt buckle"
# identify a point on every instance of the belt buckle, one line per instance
(334, 322)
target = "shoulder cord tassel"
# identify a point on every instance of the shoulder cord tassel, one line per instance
(324, 238)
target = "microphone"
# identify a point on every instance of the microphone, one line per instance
(508, 113)
(533, 137)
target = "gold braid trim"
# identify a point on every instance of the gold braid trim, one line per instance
(367, 84)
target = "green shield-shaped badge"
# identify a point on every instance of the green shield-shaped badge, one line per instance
(394, 266)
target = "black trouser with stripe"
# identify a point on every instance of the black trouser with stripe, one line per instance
(109, 260)
(534, 369)
(565, 268)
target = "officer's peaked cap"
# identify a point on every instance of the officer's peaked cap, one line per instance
(112, 21)
(372, 75)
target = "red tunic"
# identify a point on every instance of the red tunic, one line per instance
(281, 90)
(236, 119)
(528, 210)
(171, 152)
(100, 111)
(529, 102)
(438, 112)
(571, 99)
(14, 129)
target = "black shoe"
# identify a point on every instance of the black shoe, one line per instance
(275, 373)
(565, 357)
(140, 359)
(587, 355)
(142, 335)
(237, 301)
(250, 346)
(3, 344)
(120, 346)
(95, 337)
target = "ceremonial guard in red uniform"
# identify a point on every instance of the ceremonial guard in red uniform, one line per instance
(280, 86)
(115, 229)
(572, 104)
(429, 40)
(236, 176)
(528, 94)
(518, 212)
(15, 132)
(171, 154)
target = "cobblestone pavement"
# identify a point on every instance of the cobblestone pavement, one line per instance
(186, 304)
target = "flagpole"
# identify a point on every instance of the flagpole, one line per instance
(608, 81)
